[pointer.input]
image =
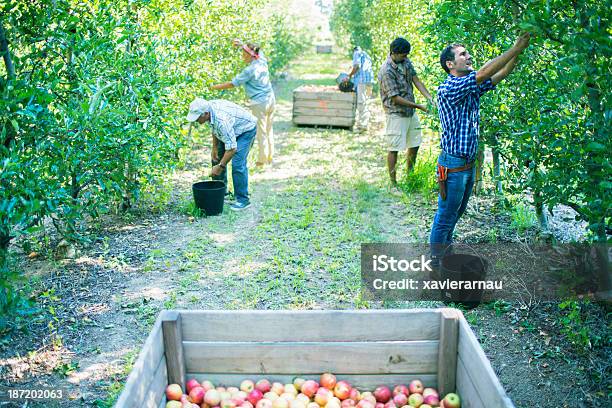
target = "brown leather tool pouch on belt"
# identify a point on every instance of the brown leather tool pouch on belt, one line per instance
(443, 176)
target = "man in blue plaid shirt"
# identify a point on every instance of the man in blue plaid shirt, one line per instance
(459, 104)
(363, 78)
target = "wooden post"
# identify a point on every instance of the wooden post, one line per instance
(173, 347)
(447, 351)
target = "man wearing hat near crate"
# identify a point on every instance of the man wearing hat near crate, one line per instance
(233, 133)
(362, 76)
(403, 130)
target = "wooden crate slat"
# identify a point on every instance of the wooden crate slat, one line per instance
(479, 369)
(313, 357)
(155, 393)
(447, 353)
(325, 96)
(362, 382)
(342, 113)
(320, 325)
(309, 103)
(470, 397)
(163, 402)
(322, 120)
(173, 346)
(144, 369)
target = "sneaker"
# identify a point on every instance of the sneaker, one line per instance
(240, 206)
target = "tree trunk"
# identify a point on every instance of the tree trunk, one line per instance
(497, 172)
(478, 182)
(4, 50)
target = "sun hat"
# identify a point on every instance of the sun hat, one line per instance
(198, 107)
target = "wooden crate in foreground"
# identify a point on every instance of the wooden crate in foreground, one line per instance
(323, 105)
(366, 347)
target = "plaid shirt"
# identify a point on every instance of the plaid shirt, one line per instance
(364, 74)
(459, 101)
(396, 79)
(228, 121)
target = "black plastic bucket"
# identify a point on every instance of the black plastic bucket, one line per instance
(209, 196)
(463, 268)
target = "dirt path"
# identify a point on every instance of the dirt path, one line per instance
(296, 248)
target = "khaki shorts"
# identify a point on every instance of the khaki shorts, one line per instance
(403, 132)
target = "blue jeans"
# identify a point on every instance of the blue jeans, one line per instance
(240, 172)
(458, 190)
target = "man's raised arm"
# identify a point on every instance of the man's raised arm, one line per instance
(497, 64)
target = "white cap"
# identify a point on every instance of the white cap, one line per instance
(198, 107)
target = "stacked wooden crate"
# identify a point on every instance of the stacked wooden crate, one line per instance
(323, 105)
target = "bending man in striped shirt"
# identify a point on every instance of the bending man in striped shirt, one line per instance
(459, 103)
(233, 133)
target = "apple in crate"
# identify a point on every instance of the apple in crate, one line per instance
(431, 399)
(430, 391)
(191, 384)
(263, 385)
(174, 404)
(264, 403)
(328, 380)
(254, 396)
(309, 388)
(247, 404)
(174, 392)
(271, 396)
(290, 388)
(247, 386)
(196, 395)
(280, 403)
(401, 389)
(212, 397)
(400, 400)
(342, 390)
(366, 403)
(347, 403)
(426, 406)
(416, 400)
(452, 400)
(382, 394)
(297, 403)
(416, 387)
(297, 383)
(277, 388)
(322, 396)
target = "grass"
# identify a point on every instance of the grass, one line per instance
(523, 218)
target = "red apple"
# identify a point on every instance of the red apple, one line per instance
(416, 400)
(442, 404)
(247, 386)
(191, 384)
(347, 403)
(382, 394)
(431, 400)
(390, 404)
(247, 404)
(416, 387)
(400, 399)
(254, 396)
(342, 390)
(401, 389)
(263, 385)
(212, 397)
(197, 395)
(328, 380)
(174, 404)
(379, 405)
(430, 391)
(264, 403)
(452, 400)
(174, 392)
(354, 394)
(309, 388)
